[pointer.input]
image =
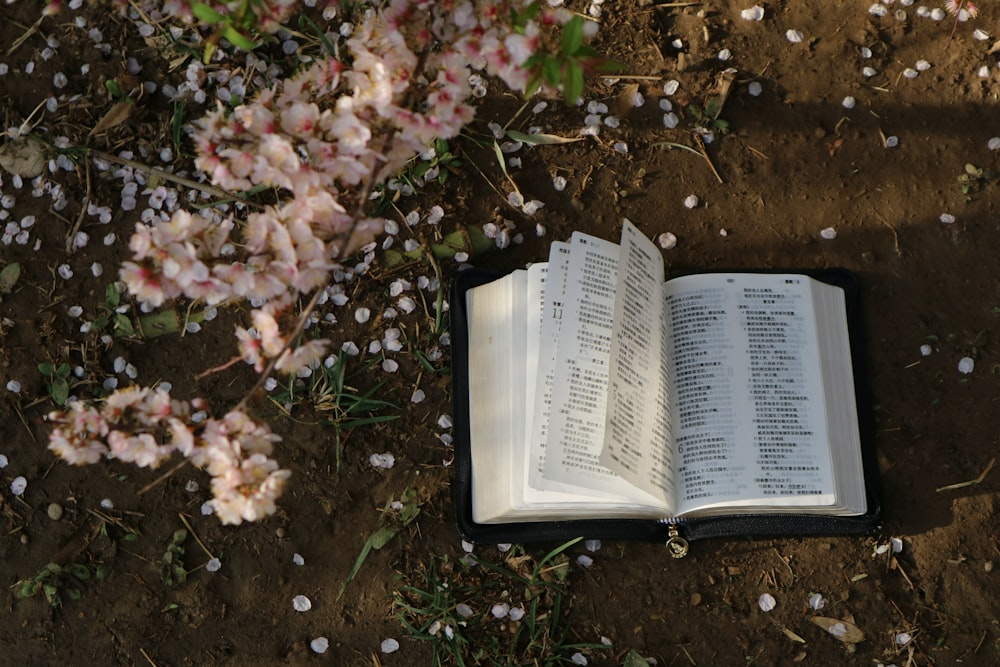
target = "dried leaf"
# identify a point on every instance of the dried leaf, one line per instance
(8, 277)
(794, 637)
(540, 139)
(115, 116)
(843, 630)
(23, 156)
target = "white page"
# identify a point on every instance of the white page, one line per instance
(552, 313)
(579, 398)
(748, 392)
(490, 422)
(637, 433)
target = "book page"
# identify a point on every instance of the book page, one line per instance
(579, 399)
(748, 394)
(550, 330)
(637, 430)
(491, 332)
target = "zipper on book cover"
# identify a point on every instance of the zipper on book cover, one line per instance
(676, 545)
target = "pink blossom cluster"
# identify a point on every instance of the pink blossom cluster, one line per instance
(146, 426)
(323, 136)
(335, 126)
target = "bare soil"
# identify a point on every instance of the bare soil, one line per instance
(794, 162)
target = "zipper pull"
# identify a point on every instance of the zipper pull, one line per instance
(676, 545)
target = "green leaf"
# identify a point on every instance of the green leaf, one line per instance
(59, 389)
(9, 276)
(46, 369)
(633, 659)
(206, 14)
(160, 323)
(573, 83)
(112, 295)
(572, 37)
(551, 70)
(115, 90)
(534, 84)
(28, 589)
(382, 537)
(368, 421)
(123, 326)
(63, 370)
(236, 38)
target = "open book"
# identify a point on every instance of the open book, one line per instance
(596, 389)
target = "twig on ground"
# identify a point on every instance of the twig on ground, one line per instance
(971, 482)
(162, 478)
(83, 210)
(187, 524)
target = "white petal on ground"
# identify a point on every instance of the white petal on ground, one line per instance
(18, 486)
(817, 602)
(793, 36)
(500, 610)
(829, 233)
(691, 201)
(383, 461)
(667, 240)
(925, 350)
(389, 645)
(766, 602)
(319, 645)
(946, 218)
(214, 565)
(298, 559)
(966, 365)
(301, 603)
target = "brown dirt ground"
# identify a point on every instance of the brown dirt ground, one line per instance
(794, 163)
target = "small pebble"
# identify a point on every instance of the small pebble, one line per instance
(55, 511)
(988, 566)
